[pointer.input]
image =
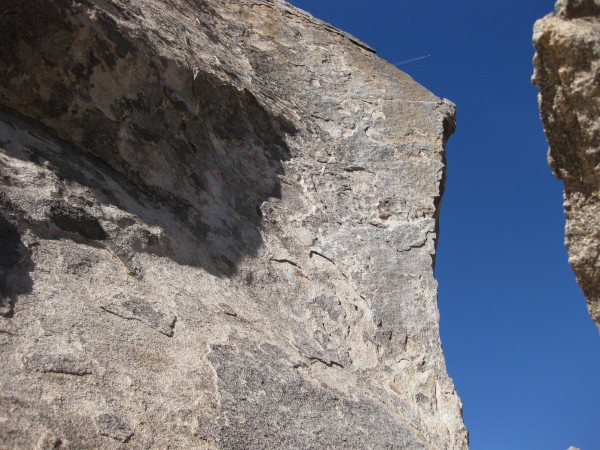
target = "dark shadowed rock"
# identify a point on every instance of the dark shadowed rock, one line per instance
(12, 255)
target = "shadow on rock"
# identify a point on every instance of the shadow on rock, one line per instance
(92, 203)
(15, 266)
(188, 153)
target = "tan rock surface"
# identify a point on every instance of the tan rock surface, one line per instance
(218, 231)
(567, 71)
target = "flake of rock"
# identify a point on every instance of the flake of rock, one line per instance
(566, 63)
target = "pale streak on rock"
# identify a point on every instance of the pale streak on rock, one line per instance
(567, 71)
(260, 175)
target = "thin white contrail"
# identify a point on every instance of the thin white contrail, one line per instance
(406, 61)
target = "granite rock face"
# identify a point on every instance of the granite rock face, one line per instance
(567, 71)
(217, 230)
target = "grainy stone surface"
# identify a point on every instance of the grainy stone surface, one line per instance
(218, 225)
(567, 71)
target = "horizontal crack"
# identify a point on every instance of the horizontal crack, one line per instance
(329, 363)
(286, 261)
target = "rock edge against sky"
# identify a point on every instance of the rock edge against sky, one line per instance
(567, 68)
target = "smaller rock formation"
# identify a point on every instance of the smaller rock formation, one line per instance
(567, 71)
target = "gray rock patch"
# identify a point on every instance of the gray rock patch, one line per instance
(112, 425)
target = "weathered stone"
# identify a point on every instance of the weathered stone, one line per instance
(567, 71)
(259, 175)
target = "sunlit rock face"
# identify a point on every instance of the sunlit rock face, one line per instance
(567, 71)
(217, 230)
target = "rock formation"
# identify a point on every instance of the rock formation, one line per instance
(218, 225)
(567, 71)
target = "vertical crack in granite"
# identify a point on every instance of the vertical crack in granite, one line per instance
(220, 222)
(567, 71)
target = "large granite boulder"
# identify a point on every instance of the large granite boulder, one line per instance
(567, 71)
(218, 226)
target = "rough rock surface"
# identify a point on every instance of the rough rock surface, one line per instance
(567, 71)
(217, 230)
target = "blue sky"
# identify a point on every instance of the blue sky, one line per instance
(519, 344)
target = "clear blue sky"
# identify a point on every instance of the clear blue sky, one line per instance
(519, 344)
